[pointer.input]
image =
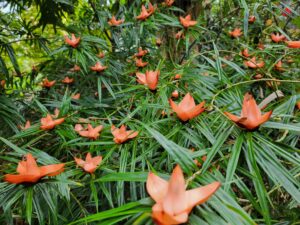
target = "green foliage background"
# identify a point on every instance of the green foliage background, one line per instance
(259, 170)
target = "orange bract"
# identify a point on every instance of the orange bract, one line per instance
(47, 83)
(245, 53)
(29, 172)
(172, 202)
(251, 19)
(141, 52)
(187, 109)
(237, 32)
(149, 79)
(169, 2)
(146, 13)
(187, 21)
(90, 163)
(277, 37)
(253, 64)
(121, 135)
(98, 67)
(251, 116)
(89, 132)
(74, 42)
(139, 63)
(293, 44)
(114, 22)
(67, 80)
(48, 123)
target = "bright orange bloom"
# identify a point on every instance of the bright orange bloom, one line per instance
(139, 63)
(175, 94)
(46, 83)
(2, 83)
(278, 66)
(48, 123)
(146, 13)
(149, 79)
(76, 68)
(76, 96)
(172, 202)
(114, 22)
(74, 42)
(89, 132)
(251, 19)
(177, 76)
(277, 37)
(90, 163)
(151, 8)
(121, 135)
(169, 2)
(237, 32)
(187, 109)
(187, 21)
(179, 35)
(141, 52)
(251, 116)
(27, 125)
(253, 64)
(245, 53)
(29, 172)
(67, 80)
(98, 67)
(298, 105)
(293, 44)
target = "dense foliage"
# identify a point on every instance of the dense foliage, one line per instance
(76, 75)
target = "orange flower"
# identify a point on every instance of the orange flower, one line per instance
(251, 116)
(187, 21)
(237, 32)
(172, 202)
(76, 68)
(175, 94)
(48, 123)
(89, 132)
(278, 66)
(114, 22)
(251, 19)
(298, 105)
(29, 172)
(169, 2)
(101, 55)
(140, 63)
(253, 64)
(179, 35)
(74, 42)
(90, 163)
(146, 13)
(177, 76)
(260, 46)
(67, 80)
(149, 79)
(277, 37)
(76, 96)
(293, 44)
(121, 135)
(27, 125)
(2, 83)
(141, 52)
(46, 83)
(187, 109)
(98, 67)
(245, 53)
